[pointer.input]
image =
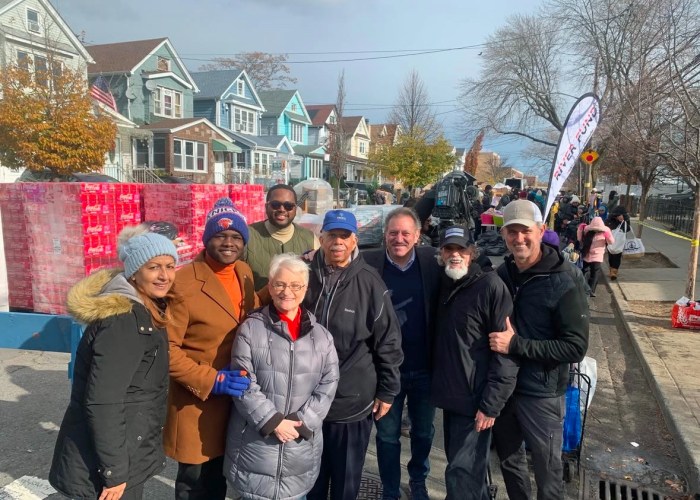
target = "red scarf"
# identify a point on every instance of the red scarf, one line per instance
(293, 325)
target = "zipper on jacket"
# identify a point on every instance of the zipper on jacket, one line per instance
(287, 404)
(155, 355)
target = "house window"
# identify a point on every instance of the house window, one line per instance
(190, 155)
(23, 60)
(163, 64)
(297, 132)
(349, 173)
(159, 152)
(261, 164)
(141, 153)
(331, 119)
(315, 168)
(41, 67)
(363, 147)
(294, 108)
(33, 21)
(244, 121)
(167, 102)
(240, 87)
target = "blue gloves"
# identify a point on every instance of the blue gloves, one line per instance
(231, 383)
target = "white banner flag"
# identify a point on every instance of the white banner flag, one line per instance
(580, 124)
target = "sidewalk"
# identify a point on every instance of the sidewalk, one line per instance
(644, 298)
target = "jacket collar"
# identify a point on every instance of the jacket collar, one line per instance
(212, 287)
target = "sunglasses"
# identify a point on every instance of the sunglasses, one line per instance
(276, 205)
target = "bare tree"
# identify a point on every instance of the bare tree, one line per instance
(338, 140)
(412, 109)
(680, 144)
(266, 71)
(623, 46)
(517, 93)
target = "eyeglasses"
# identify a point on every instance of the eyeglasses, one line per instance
(278, 286)
(276, 205)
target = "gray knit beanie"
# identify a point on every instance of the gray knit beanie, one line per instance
(134, 252)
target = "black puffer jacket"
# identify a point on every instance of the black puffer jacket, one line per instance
(112, 430)
(467, 376)
(550, 322)
(367, 336)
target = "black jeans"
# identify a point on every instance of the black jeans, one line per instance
(201, 481)
(614, 260)
(344, 449)
(467, 453)
(539, 423)
(592, 272)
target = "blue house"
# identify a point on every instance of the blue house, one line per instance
(229, 99)
(285, 114)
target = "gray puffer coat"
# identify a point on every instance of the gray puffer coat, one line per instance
(289, 379)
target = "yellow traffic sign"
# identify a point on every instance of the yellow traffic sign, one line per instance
(589, 156)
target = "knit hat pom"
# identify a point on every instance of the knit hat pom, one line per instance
(224, 216)
(136, 248)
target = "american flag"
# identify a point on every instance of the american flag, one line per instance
(100, 91)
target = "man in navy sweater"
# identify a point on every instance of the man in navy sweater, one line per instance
(412, 276)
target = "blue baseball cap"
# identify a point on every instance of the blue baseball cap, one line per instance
(339, 219)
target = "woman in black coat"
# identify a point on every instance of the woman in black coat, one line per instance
(616, 217)
(110, 441)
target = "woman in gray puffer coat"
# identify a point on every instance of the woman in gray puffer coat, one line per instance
(274, 441)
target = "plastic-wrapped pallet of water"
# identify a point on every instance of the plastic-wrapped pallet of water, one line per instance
(370, 223)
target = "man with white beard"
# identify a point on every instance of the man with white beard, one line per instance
(469, 381)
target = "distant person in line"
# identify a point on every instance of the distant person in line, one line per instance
(548, 332)
(617, 217)
(274, 440)
(469, 381)
(110, 440)
(613, 201)
(277, 234)
(593, 238)
(412, 277)
(218, 293)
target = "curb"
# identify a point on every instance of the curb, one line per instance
(664, 387)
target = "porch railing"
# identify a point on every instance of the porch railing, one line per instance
(145, 176)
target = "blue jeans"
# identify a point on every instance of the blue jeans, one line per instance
(415, 386)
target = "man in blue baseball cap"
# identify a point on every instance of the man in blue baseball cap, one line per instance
(348, 297)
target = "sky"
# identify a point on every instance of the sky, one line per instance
(334, 31)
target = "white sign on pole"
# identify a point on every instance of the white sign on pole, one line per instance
(580, 125)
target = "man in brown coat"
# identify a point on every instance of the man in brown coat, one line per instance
(217, 293)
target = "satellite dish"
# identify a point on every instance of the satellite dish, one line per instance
(130, 94)
(151, 85)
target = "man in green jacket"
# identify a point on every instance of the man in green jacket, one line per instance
(277, 234)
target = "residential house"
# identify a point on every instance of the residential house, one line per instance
(460, 155)
(324, 120)
(490, 170)
(356, 129)
(154, 89)
(33, 34)
(381, 136)
(229, 99)
(286, 115)
(193, 148)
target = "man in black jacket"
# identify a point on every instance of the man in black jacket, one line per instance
(412, 276)
(348, 297)
(548, 332)
(470, 383)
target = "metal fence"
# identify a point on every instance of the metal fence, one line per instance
(678, 214)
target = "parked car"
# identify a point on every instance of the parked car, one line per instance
(51, 176)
